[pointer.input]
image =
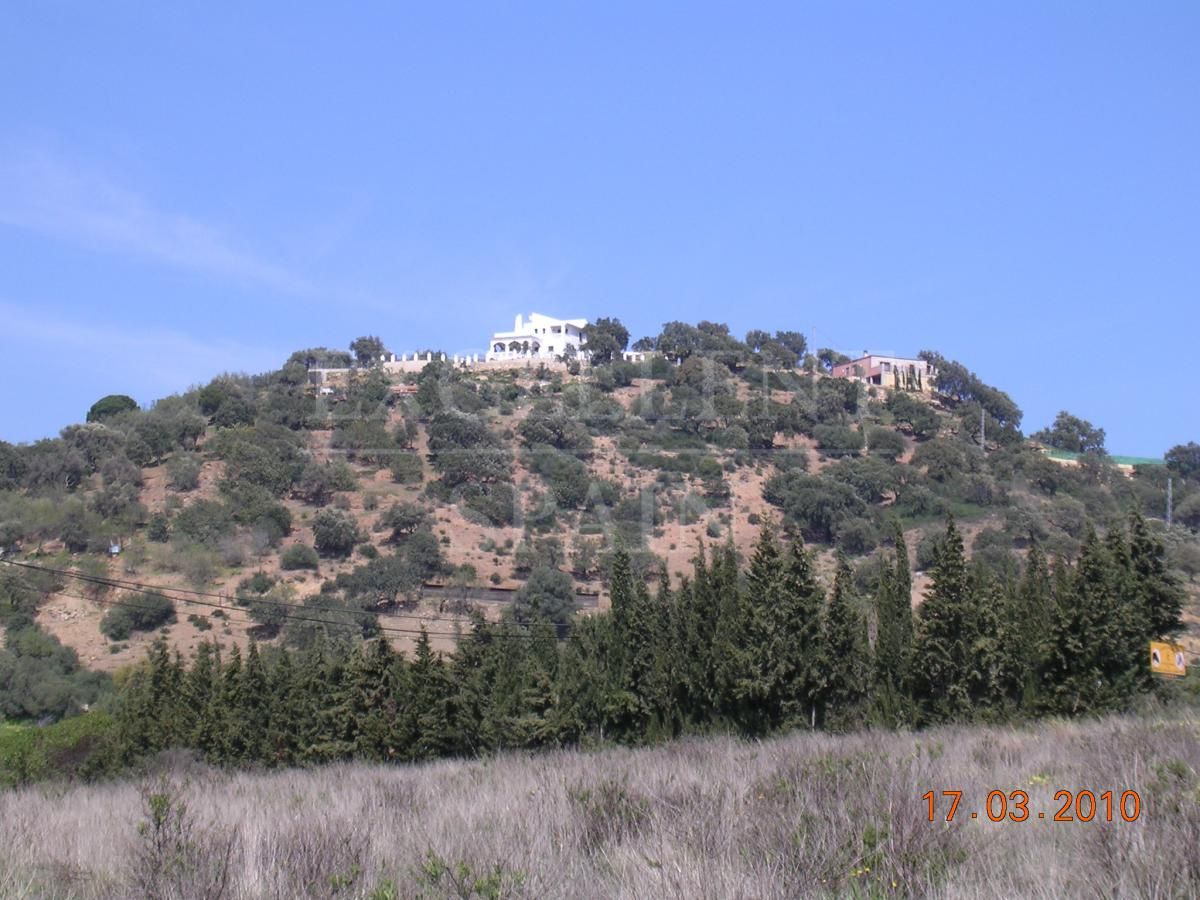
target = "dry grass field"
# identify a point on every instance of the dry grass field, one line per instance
(799, 816)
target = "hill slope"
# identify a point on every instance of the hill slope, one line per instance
(475, 479)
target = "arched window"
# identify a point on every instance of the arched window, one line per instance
(499, 348)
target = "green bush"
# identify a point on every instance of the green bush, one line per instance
(496, 503)
(299, 556)
(183, 471)
(78, 747)
(406, 467)
(335, 533)
(138, 612)
(40, 677)
(838, 439)
(884, 442)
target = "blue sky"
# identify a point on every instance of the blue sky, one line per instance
(187, 189)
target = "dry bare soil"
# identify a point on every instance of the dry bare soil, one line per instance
(808, 815)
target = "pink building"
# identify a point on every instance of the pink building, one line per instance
(888, 371)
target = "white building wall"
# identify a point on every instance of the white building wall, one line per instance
(540, 337)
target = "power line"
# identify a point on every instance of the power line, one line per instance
(144, 588)
(331, 623)
(290, 608)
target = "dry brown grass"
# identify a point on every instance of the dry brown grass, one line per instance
(804, 815)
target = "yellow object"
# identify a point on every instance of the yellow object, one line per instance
(1167, 659)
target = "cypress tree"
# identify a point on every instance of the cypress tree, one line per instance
(471, 687)
(1097, 657)
(623, 707)
(1030, 616)
(231, 741)
(252, 705)
(751, 641)
(847, 654)
(1156, 590)
(894, 639)
(428, 691)
(281, 744)
(799, 654)
(698, 615)
(370, 705)
(200, 694)
(948, 671)
(583, 687)
(665, 717)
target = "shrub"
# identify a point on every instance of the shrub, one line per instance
(299, 556)
(138, 612)
(335, 533)
(204, 522)
(183, 471)
(786, 460)
(81, 747)
(496, 503)
(838, 439)
(884, 442)
(158, 529)
(548, 593)
(928, 549)
(857, 537)
(403, 519)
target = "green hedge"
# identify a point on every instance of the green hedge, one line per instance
(80, 747)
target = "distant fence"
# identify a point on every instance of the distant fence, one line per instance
(584, 600)
(414, 362)
(1128, 461)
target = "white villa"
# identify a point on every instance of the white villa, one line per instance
(538, 337)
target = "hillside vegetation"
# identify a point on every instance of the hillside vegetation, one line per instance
(759, 533)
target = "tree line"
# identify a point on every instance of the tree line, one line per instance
(748, 649)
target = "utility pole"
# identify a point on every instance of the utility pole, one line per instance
(1169, 499)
